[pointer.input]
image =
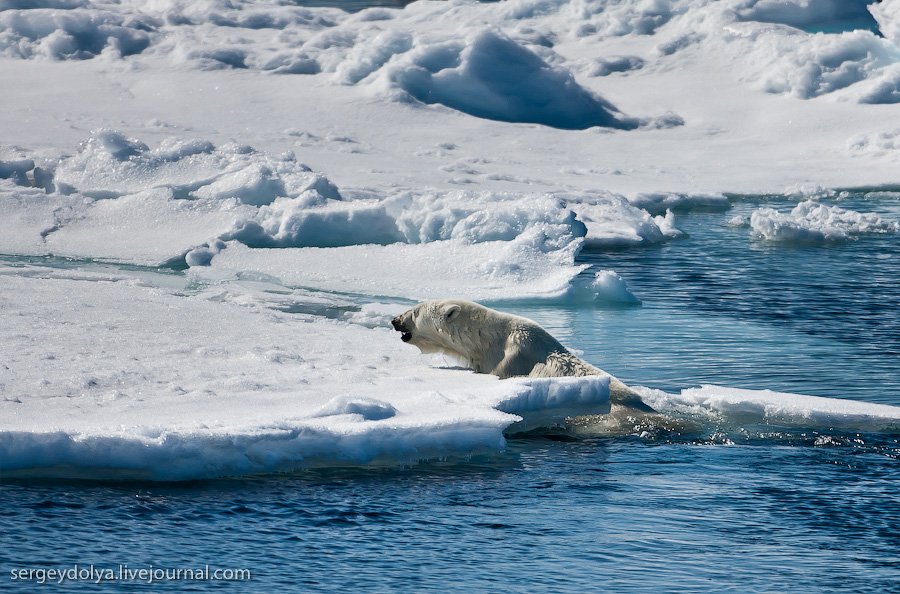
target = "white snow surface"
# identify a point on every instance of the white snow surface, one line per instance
(726, 95)
(317, 171)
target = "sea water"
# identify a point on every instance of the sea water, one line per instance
(722, 507)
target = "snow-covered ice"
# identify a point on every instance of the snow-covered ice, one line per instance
(114, 378)
(728, 90)
(492, 271)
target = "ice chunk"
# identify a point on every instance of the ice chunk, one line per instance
(482, 216)
(612, 221)
(202, 255)
(738, 221)
(610, 288)
(607, 66)
(300, 222)
(737, 407)
(408, 217)
(659, 202)
(548, 402)
(255, 184)
(17, 170)
(813, 222)
(808, 14)
(370, 409)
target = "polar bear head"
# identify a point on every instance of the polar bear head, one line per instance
(434, 326)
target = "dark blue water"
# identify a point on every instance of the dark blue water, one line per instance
(788, 510)
(721, 307)
(612, 515)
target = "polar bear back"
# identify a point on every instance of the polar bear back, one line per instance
(498, 343)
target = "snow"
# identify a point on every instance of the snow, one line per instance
(315, 171)
(205, 73)
(877, 143)
(496, 78)
(887, 14)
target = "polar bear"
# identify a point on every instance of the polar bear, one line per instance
(501, 344)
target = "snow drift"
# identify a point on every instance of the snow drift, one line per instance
(493, 77)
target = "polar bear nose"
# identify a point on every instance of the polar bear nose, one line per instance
(405, 335)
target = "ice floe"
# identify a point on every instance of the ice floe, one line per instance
(813, 222)
(195, 388)
(612, 221)
(736, 407)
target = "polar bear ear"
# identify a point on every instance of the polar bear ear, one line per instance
(451, 311)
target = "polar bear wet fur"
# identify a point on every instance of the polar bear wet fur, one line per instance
(498, 343)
